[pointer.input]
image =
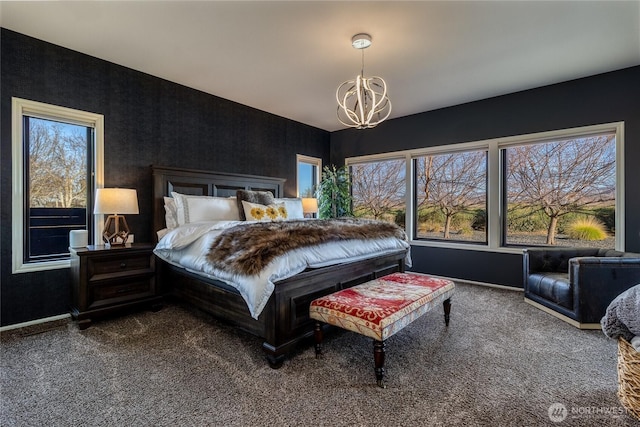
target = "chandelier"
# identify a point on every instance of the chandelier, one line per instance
(363, 102)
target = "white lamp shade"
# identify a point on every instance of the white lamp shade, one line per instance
(309, 205)
(116, 201)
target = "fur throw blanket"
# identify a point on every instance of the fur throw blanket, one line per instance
(248, 248)
(622, 318)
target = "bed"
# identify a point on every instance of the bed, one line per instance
(284, 320)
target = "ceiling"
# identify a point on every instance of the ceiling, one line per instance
(288, 57)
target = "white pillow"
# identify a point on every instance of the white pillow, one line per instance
(162, 233)
(170, 213)
(262, 213)
(294, 207)
(205, 208)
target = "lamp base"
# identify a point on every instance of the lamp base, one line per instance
(116, 230)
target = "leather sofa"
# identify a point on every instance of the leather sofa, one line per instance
(577, 284)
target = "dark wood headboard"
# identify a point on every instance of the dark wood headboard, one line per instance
(203, 183)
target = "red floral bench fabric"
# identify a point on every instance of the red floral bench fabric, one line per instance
(382, 307)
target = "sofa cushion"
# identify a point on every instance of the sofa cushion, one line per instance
(554, 287)
(555, 259)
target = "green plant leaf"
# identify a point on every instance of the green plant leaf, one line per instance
(334, 193)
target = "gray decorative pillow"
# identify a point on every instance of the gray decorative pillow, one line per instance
(260, 197)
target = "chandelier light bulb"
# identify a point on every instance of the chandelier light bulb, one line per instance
(363, 102)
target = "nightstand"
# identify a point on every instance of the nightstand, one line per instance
(106, 280)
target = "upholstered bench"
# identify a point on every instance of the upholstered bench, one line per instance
(380, 308)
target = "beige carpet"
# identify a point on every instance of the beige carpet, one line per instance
(501, 362)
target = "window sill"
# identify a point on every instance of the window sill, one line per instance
(19, 267)
(465, 246)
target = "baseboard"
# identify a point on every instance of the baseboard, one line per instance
(592, 326)
(472, 282)
(42, 322)
(36, 323)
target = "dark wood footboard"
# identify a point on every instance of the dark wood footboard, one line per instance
(285, 320)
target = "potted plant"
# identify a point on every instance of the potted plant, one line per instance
(333, 193)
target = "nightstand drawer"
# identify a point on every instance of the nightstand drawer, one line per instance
(114, 292)
(125, 264)
(109, 280)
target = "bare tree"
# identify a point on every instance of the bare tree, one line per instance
(561, 177)
(453, 183)
(57, 166)
(378, 188)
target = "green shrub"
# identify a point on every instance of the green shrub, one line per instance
(527, 220)
(465, 229)
(607, 216)
(461, 219)
(430, 214)
(566, 221)
(479, 219)
(429, 227)
(587, 229)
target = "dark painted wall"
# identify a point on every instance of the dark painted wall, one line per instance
(147, 121)
(604, 98)
(152, 121)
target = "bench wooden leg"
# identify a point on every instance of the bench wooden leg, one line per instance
(378, 357)
(317, 335)
(447, 309)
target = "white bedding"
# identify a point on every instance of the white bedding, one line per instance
(187, 246)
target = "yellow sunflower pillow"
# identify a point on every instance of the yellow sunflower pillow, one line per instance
(264, 213)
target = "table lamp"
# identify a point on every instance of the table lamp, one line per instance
(115, 202)
(309, 206)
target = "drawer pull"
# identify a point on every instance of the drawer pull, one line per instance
(121, 291)
(123, 265)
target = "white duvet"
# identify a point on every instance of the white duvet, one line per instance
(187, 246)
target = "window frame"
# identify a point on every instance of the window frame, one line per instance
(376, 158)
(496, 179)
(414, 159)
(553, 139)
(314, 161)
(23, 107)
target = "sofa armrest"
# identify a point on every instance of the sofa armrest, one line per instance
(596, 281)
(600, 271)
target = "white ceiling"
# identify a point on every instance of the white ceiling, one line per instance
(288, 57)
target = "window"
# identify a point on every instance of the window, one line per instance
(451, 196)
(558, 188)
(308, 175)
(378, 189)
(561, 192)
(57, 163)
